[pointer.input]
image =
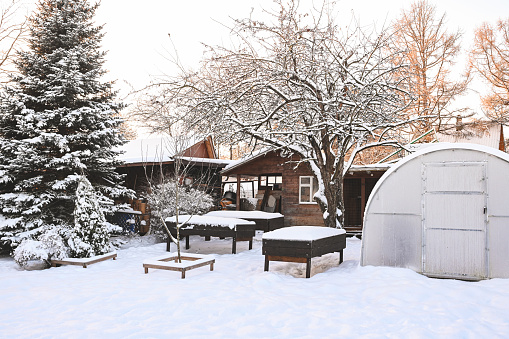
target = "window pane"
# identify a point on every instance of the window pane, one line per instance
(279, 180)
(305, 180)
(315, 185)
(305, 195)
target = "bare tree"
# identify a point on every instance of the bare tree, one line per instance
(490, 59)
(12, 32)
(169, 194)
(300, 85)
(430, 52)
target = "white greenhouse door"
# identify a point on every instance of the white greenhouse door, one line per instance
(454, 219)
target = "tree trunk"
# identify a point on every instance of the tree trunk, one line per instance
(334, 215)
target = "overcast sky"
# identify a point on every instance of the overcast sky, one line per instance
(137, 31)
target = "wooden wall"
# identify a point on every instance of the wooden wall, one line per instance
(309, 214)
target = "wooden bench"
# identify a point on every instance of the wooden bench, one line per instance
(301, 243)
(209, 226)
(83, 261)
(170, 262)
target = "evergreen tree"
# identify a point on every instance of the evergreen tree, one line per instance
(89, 236)
(57, 120)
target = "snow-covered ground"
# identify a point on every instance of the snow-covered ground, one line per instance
(115, 299)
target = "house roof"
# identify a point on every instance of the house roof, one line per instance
(481, 133)
(162, 149)
(259, 154)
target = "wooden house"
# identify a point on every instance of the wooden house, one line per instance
(149, 158)
(293, 187)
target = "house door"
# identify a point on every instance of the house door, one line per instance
(454, 219)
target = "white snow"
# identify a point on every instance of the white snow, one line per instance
(115, 299)
(245, 214)
(304, 233)
(208, 220)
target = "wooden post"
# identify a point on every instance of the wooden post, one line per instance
(266, 268)
(363, 199)
(308, 267)
(238, 193)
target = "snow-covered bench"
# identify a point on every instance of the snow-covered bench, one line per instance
(301, 243)
(211, 226)
(265, 221)
(170, 262)
(84, 261)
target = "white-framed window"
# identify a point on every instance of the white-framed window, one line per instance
(308, 185)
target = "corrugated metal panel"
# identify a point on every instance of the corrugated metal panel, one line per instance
(498, 236)
(454, 253)
(454, 177)
(397, 243)
(455, 211)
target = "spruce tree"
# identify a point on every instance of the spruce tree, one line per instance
(57, 120)
(89, 236)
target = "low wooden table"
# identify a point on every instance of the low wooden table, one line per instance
(84, 261)
(210, 226)
(265, 221)
(301, 243)
(170, 262)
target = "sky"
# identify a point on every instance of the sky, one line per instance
(138, 43)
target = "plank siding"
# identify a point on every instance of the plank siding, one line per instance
(296, 214)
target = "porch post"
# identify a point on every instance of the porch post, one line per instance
(238, 193)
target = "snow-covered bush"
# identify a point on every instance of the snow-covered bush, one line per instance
(50, 245)
(90, 234)
(163, 202)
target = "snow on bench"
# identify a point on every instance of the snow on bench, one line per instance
(265, 221)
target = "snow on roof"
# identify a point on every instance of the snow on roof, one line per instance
(209, 221)
(207, 160)
(303, 233)
(247, 158)
(146, 150)
(488, 136)
(159, 149)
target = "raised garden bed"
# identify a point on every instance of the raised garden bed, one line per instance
(170, 262)
(265, 221)
(210, 226)
(84, 261)
(301, 243)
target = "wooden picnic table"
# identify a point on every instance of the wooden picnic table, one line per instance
(210, 226)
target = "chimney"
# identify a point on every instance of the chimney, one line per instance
(459, 123)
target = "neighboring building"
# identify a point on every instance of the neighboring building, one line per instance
(489, 134)
(293, 187)
(149, 158)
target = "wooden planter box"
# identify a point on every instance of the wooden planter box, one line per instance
(170, 262)
(84, 261)
(301, 243)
